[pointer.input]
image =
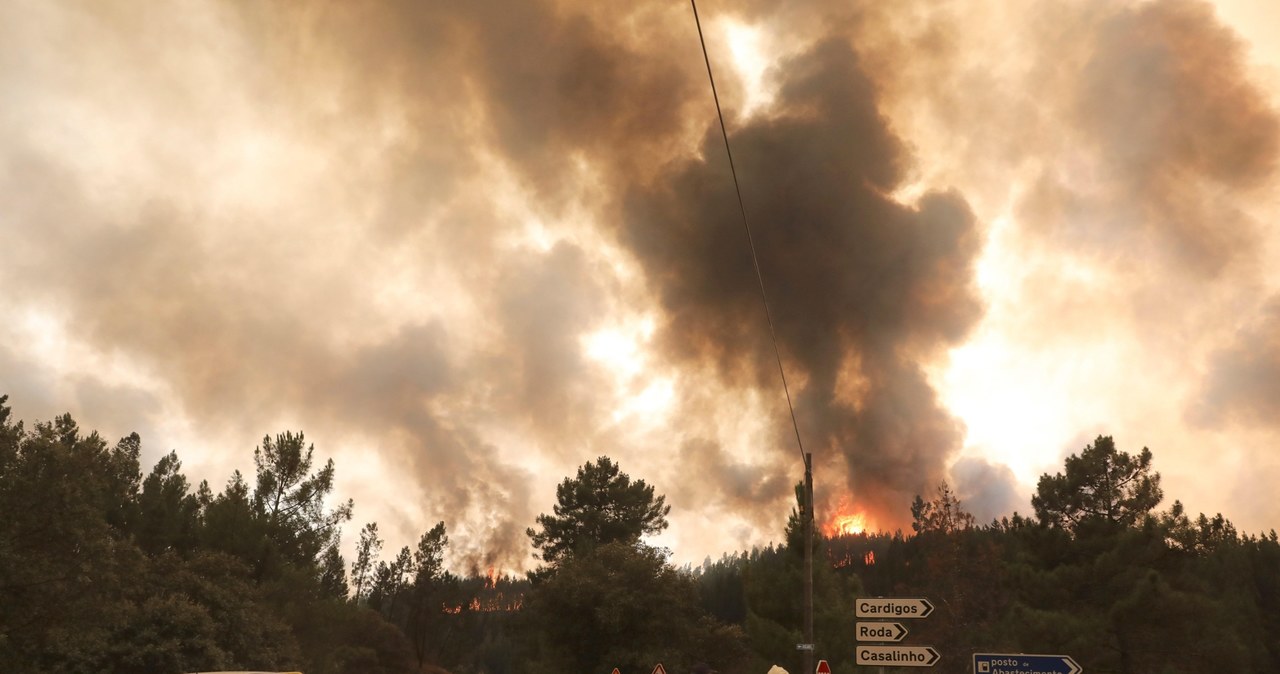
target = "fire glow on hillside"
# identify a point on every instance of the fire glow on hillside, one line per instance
(848, 520)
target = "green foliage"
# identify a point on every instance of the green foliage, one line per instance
(424, 620)
(621, 605)
(101, 570)
(943, 514)
(168, 633)
(600, 505)
(366, 561)
(608, 600)
(168, 516)
(333, 577)
(290, 499)
(67, 567)
(1101, 487)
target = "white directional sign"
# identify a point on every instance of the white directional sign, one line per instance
(898, 656)
(901, 607)
(870, 631)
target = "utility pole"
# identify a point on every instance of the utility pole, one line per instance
(808, 563)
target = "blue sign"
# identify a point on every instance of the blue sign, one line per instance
(1019, 663)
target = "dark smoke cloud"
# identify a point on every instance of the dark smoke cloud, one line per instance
(862, 288)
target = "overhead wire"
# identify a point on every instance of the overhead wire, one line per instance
(755, 259)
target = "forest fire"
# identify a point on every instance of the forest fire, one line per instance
(844, 525)
(848, 520)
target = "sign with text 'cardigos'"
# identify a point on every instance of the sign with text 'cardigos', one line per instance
(900, 607)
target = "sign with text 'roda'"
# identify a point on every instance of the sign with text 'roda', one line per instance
(900, 607)
(877, 631)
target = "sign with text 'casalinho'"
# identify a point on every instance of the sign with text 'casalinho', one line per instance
(898, 656)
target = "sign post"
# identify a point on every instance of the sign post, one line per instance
(1020, 663)
(884, 632)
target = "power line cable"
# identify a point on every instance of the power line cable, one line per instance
(755, 260)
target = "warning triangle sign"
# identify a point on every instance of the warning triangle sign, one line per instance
(615, 671)
(823, 667)
(659, 669)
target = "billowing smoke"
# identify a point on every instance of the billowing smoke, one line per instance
(468, 246)
(862, 288)
(986, 490)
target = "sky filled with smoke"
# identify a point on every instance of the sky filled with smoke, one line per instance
(469, 246)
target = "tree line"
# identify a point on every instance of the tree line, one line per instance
(105, 570)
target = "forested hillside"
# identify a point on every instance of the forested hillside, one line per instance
(106, 569)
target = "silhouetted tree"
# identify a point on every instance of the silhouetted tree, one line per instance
(1100, 485)
(600, 505)
(621, 605)
(366, 561)
(291, 499)
(168, 516)
(943, 514)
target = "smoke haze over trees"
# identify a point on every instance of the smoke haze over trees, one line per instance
(470, 243)
(103, 570)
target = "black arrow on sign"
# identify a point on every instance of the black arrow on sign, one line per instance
(902, 632)
(932, 652)
(928, 608)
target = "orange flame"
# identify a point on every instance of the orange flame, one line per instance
(848, 520)
(869, 559)
(844, 525)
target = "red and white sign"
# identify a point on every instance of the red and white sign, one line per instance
(823, 667)
(659, 669)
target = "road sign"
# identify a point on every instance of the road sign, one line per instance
(823, 667)
(615, 671)
(659, 669)
(893, 608)
(873, 631)
(1018, 663)
(898, 656)
(804, 647)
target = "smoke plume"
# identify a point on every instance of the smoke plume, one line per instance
(469, 246)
